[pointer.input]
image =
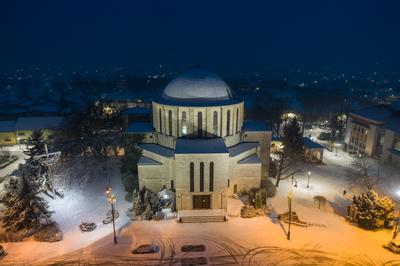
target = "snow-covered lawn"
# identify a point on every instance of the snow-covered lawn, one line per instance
(78, 205)
(238, 241)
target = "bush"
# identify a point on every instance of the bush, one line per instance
(269, 188)
(49, 233)
(324, 136)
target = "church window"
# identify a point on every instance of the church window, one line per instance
(160, 119)
(170, 122)
(215, 123)
(228, 122)
(201, 177)
(184, 126)
(199, 124)
(191, 177)
(237, 119)
(211, 176)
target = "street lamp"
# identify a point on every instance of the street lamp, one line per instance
(290, 199)
(308, 182)
(112, 199)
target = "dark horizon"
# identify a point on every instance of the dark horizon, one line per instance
(226, 37)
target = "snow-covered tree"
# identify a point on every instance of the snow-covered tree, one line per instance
(369, 209)
(32, 168)
(25, 209)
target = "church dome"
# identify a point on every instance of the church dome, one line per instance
(197, 85)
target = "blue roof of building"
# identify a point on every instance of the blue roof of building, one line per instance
(199, 103)
(249, 125)
(40, 122)
(137, 111)
(394, 125)
(379, 114)
(140, 127)
(253, 159)
(242, 147)
(157, 149)
(200, 146)
(147, 161)
(312, 144)
(7, 126)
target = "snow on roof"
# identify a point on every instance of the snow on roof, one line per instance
(196, 146)
(312, 144)
(242, 147)
(137, 111)
(197, 85)
(198, 103)
(157, 149)
(140, 127)
(394, 125)
(7, 126)
(379, 114)
(252, 159)
(42, 122)
(147, 161)
(249, 125)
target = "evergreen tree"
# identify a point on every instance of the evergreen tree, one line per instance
(293, 138)
(25, 209)
(34, 170)
(369, 208)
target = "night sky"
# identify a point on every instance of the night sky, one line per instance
(224, 36)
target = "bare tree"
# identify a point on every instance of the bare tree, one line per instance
(292, 151)
(364, 172)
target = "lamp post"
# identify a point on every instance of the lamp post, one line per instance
(290, 199)
(308, 182)
(112, 199)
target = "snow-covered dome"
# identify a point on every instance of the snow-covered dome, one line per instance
(197, 85)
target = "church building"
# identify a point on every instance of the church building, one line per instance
(199, 144)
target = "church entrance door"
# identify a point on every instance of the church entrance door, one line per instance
(201, 202)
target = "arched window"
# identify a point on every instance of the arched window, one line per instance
(237, 119)
(199, 124)
(215, 123)
(191, 177)
(201, 177)
(184, 126)
(160, 119)
(212, 176)
(170, 122)
(228, 122)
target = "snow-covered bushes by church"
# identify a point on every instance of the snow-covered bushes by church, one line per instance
(370, 211)
(147, 205)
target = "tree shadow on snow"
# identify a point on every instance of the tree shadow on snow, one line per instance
(273, 215)
(340, 204)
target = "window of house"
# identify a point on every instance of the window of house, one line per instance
(21, 134)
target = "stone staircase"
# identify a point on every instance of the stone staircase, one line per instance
(201, 216)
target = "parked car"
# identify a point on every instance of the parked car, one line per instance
(393, 245)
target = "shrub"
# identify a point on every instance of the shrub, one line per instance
(269, 188)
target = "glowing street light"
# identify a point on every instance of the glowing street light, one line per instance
(112, 199)
(308, 182)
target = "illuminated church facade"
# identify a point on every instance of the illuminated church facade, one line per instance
(199, 144)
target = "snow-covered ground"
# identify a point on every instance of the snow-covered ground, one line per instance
(80, 205)
(330, 240)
